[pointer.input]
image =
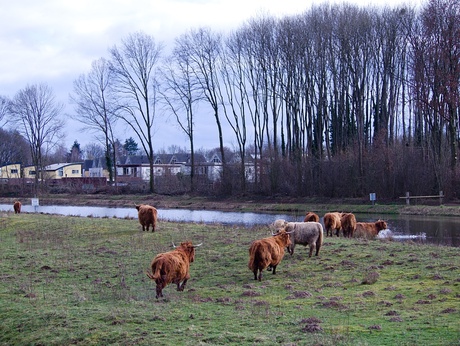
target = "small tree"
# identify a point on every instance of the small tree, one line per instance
(130, 146)
(75, 154)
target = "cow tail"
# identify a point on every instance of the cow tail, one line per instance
(320, 239)
(155, 274)
(253, 257)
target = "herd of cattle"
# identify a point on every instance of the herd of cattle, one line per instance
(266, 253)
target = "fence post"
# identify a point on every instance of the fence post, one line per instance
(441, 195)
(407, 198)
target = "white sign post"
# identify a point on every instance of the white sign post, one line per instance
(372, 197)
(35, 203)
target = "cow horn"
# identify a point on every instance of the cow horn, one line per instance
(174, 246)
(198, 245)
(290, 232)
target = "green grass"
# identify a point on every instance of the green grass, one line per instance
(70, 280)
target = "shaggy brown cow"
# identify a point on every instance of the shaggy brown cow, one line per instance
(172, 266)
(267, 252)
(332, 222)
(17, 207)
(311, 217)
(147, 216)
(369, 230)
(348, 222)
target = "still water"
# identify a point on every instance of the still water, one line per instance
(423, 229)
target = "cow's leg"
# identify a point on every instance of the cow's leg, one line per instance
(255, 274)
(274, 270)
(260, 275)
(183, 285)
(291, 249)
(312, 248)
(159, 288)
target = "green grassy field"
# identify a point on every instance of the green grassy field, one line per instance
(70, 280)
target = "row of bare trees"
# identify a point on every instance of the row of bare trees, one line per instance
(340, 94)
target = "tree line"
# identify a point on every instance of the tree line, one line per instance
(338, 101)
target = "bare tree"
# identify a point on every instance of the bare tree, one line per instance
(3, 108)
(36, 115)
(181, 93)
(133, 65)
(234, 72)
(19, 152)
(93, 151)
(95, 106)
(204, 49)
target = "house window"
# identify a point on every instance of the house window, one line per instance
(31, 172)
(60, 173)
(215, 160)
(173, 161)
(75, 171)
(14, 171)
(157, 161)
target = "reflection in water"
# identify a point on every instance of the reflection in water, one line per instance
(437, 230)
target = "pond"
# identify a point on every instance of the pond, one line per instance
(424, 229)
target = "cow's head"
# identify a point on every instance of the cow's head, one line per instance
(189, 249)
(284, 236)
(381, 225)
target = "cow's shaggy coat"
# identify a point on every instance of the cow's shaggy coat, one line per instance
(369, 230)
(311, 217)
(305, 233)
(267, 252)
(348, 223)
(147, 216)
(17, 207)
(332, 222)
(172, 267)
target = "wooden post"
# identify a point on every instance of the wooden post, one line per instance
(407, 198)
(441, 195)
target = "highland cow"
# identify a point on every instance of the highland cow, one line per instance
(17, 207)
(267, 252)
(311, 217)
(147, 216)
(305, 233)
(332, 222)
(172, 267)
(369, 230)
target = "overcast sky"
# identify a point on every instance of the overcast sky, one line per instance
(55, 41)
